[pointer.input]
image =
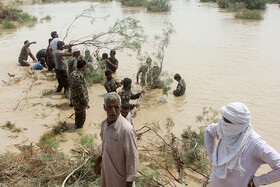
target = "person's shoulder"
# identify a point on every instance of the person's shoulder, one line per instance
(127, 127)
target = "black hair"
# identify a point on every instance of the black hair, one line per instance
(53, 33)
(113, 51)
(59, 44)
(50, 40)
(81, 63)
(42, 58)
(126, 82)
(125, 106)
(104, 56)
(177, 76)
(25, 42)
(108, 72)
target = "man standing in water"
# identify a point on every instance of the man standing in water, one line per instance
(60, 67)
(79, 94)
(25, 52)
(181, 87)
(239, 151)
(119, 157)
(112, 62)
(143, 69)
(126, 93)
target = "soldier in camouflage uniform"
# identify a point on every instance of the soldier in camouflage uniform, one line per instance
(79, 94)
(181, 87)
(72, 64)
(126, 93)
(143, 69)
(111, 84)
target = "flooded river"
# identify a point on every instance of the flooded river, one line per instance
(222, 60)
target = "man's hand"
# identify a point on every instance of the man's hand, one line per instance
(129, 184)
(142, 92)
(97, 166)
(119, 85)
(87, 106)
(137, 105)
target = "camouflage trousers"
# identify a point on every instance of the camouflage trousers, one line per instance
(80, 114)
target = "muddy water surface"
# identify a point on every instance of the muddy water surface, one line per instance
(221, 59)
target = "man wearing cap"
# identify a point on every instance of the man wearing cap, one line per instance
(60, 67)
(25, 52)
(239, 151)
(181, 87)
(143, 69)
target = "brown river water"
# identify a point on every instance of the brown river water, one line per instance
(222, 60)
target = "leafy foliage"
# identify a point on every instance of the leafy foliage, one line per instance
(249, 14)
(249, 4)
(158, 5)
(134, 3)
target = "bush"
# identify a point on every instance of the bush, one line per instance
(237, 6)
(134, 2)
(207, 1)
(158, 5)
(249, 14)
(8, 25)
(94, 75)
(249, 4)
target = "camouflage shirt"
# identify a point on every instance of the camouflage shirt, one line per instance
(79, 93)
(181, 88)
(126, 95)
(111, 85)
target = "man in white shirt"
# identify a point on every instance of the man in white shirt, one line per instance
(239, 151)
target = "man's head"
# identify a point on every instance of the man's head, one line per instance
(81, 65)
(112, 53)
(26, 42)
(112, 106)
(104, 56)
(54, 34)
(127, 83)
(42, 61)
(60, 45)
(108, 74)
(177, 77)
(125, 109)
(236, 113)
(76, 51)
(149, 61)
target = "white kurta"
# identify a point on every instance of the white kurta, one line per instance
(257, 153)
(119, 153)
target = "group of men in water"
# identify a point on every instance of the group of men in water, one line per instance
(54, 58)
(235, 158)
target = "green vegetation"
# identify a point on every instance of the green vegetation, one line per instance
(158, 5)
(10, 17)
(135, 3)
(249, 14)
(166, 157)
(249, 4)
(8, 25)
(11, 127)
(94, 75)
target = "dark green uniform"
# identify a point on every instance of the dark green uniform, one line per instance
(181, 88)
(111, 85)
(79, 97)
(126, 95)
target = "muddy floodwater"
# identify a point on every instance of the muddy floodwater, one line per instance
(222, 60)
